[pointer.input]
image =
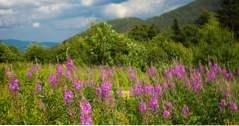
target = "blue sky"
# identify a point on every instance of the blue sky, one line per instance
(57, 20)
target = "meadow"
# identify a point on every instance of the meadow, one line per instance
(72, 94)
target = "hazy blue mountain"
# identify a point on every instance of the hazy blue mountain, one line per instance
(22, 45)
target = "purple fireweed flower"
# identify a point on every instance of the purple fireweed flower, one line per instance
(98, 91)
(14, 85)
(77, 84)
(152, 71)
(85, 114)
(59, 70)
(29, 74)
(222, 103)
(169, 73)
(228, 75)
(142, 107)
(149, 89)
(68, 96)
(106, 74)
(153, 103)
(168, 106)
(196, 82)
(211, 75)
(70, 64)
(138, 90)
(185, 111)
(179, 71)
(233, 106)
(131, 74)
(158, 89)
(53, 80)
(68, 74)
(85, 107)
(166, 114)
(85, 119)
(106, 88)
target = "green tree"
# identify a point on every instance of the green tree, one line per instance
(6, 54)
(176, 31)
(229, 15)
(143, 32)
(36, 53)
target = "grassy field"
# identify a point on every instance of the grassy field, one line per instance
(71, 94)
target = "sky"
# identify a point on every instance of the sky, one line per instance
(57, 20)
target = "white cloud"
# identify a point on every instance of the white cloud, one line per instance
(87, 2)
(132, 8)
(36, 25)
(6, 12)
(74, 23)
(141, 8)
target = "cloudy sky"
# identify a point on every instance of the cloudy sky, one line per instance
(57, 20)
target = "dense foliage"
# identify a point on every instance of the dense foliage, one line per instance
(67, 94)
(144, 45)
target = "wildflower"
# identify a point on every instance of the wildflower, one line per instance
(142, 107)
(158, 89)
(222, 103)
(53, 80)
(29, 74)
(106, 74)
(149, 89)
(152, 71)
(85, 114)
(169, 74)
(233, 106)
(196, 82)
(228, 75)
(70, 64)
(138, 89)
(68, 74)
(153, 103)
(179, 71)
(211, 75)
(59, 70)
(166, 114)
(185, 111)
(131, 74)
(77, 85)
(106, 89)
(168, 106)
(68, 96)
(14, 85)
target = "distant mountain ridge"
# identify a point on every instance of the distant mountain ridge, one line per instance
(22, 45)
(185, 14)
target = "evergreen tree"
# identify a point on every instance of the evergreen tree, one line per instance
(176, 31)
(229, 15)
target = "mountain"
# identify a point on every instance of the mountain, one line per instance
(22, 45)
(125, 24)
(185, 14)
